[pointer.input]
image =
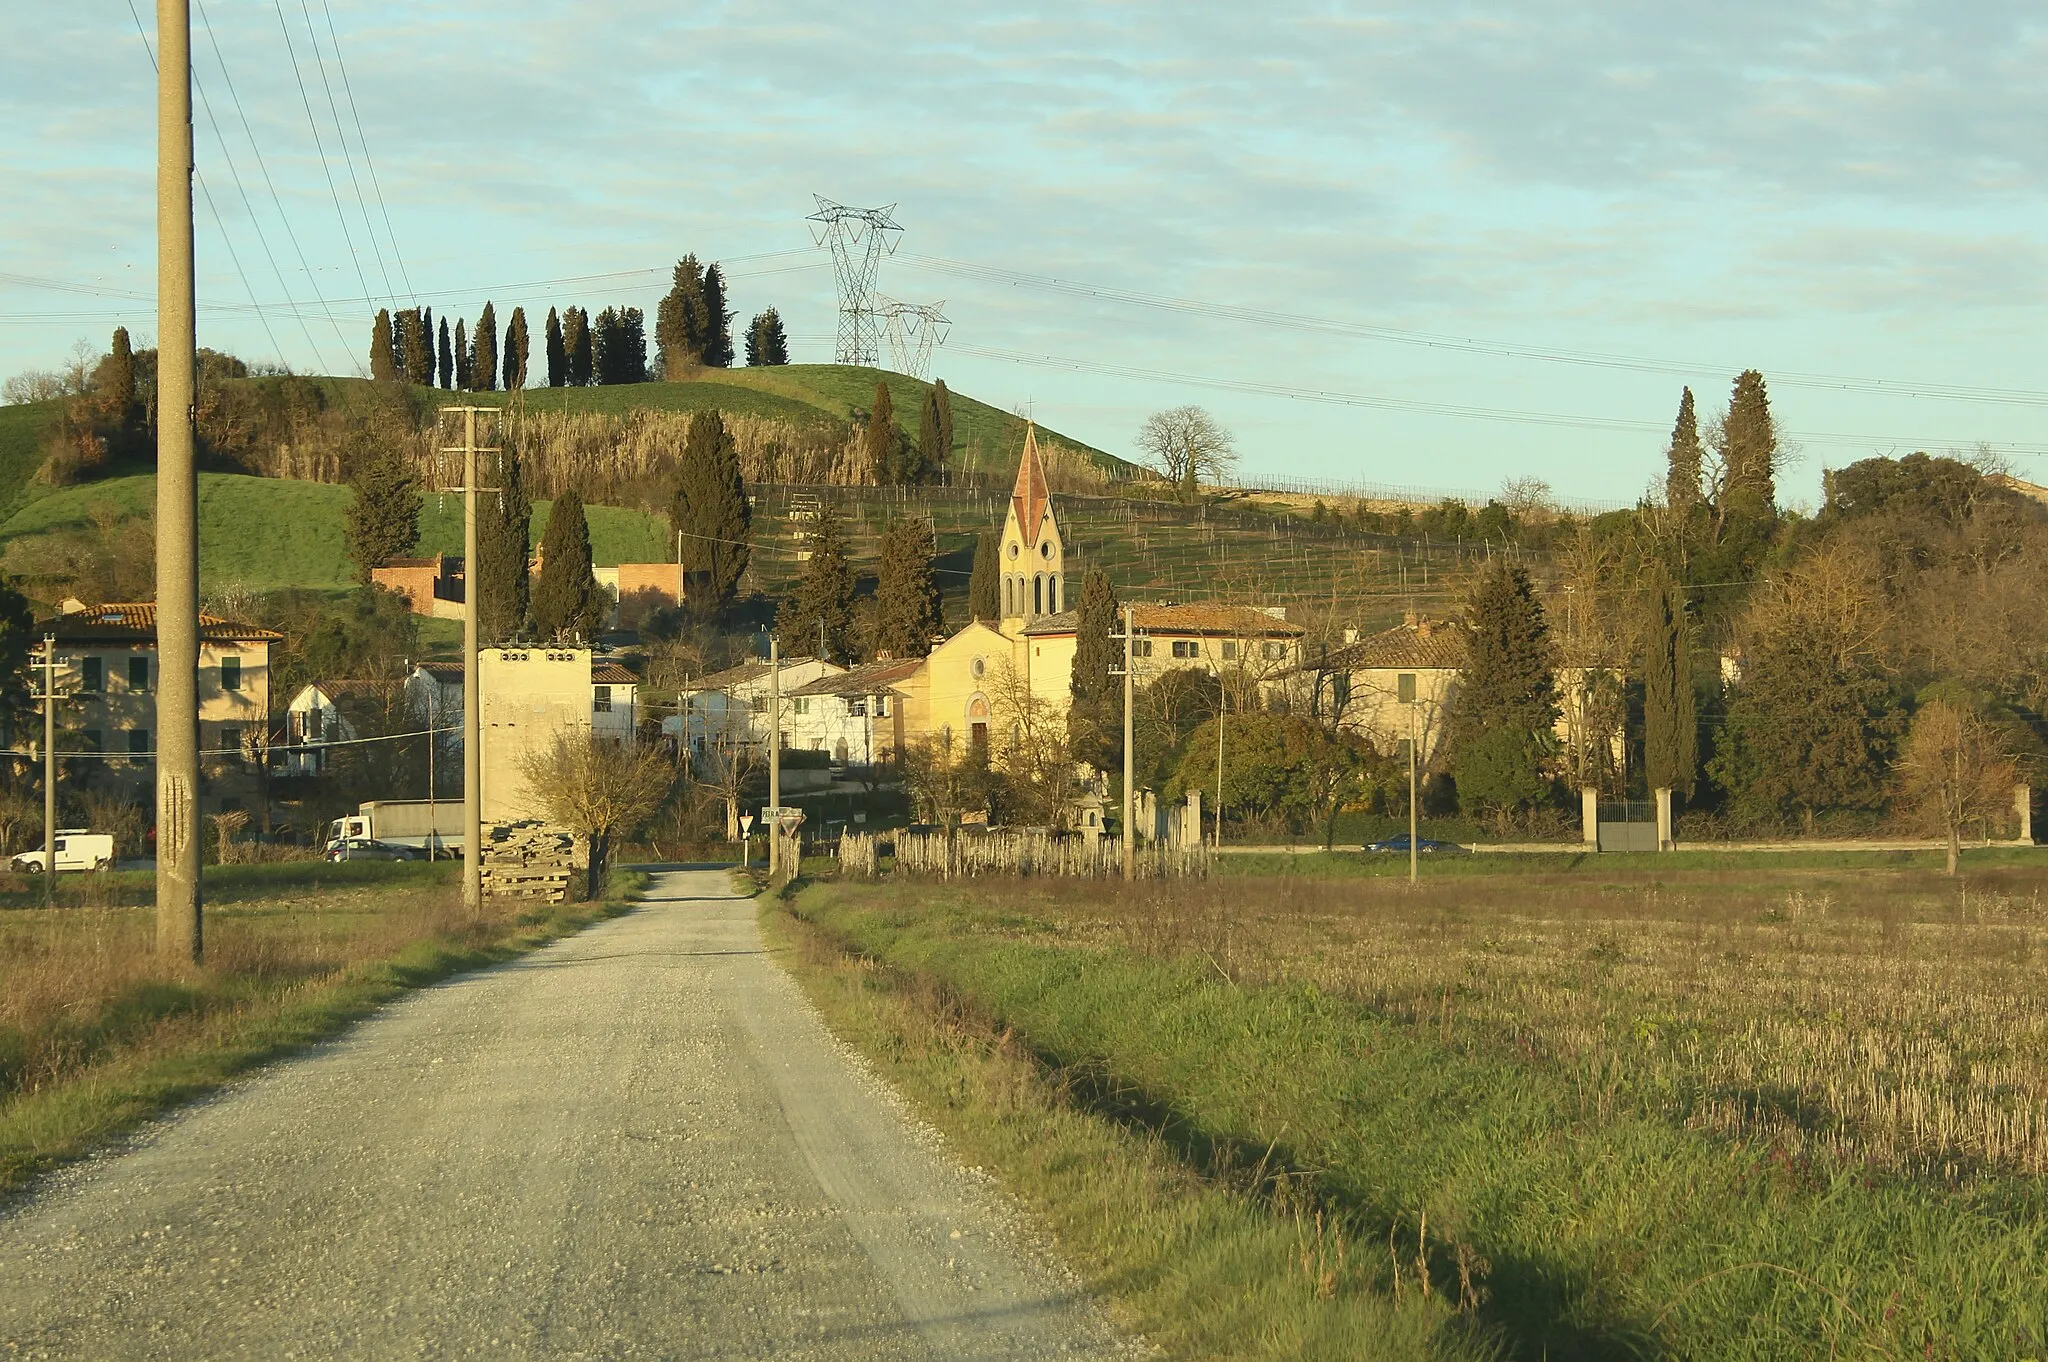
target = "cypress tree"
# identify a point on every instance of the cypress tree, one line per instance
(633, 336)
(1684, 458)
(682, 321)
(717, 320)
(558, 358)
(1503, 715)
(930, 456)
(708, 512)
(908, 612)
(767, 343)
(576, 358)
(879, 439)
(1750, 450)
(483, 363)
(118, 388)
(427, 330)
(384, 515)
(462, 357)
(1670, 727)
(943, 399)
(419, 349)
(381, 367)
(818, 614)
(447, 357)
(984, 583)
(515, 351)
(566, 601)
(1095, 720)
(504, 528)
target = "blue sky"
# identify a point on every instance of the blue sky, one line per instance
(1531, 224)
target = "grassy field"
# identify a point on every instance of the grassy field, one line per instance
(96, 1033)
(1760, 1111)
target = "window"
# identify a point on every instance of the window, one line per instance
(93, 674)
(800, 705)
(231, 742)
(857, 709)
(1275, 651)
(138, 742)
(1184, 647)
(138, 671)
(1038, 593)
(1045, 549)
(881, 706)
(1401, 750)
(1141, 647)
(601, 699)
(231, 673)
(311, 723)
(978, 666)
(1013, 550)
(1230, 650)
(1404, 688)
(91, 740)
(758, 703)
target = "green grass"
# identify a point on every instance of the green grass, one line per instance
(1353, 864)
(1605, 1228)
(22, 428)
(302, 953)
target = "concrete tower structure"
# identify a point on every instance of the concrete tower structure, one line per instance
(1033, 558)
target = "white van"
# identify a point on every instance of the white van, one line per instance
(77, 849)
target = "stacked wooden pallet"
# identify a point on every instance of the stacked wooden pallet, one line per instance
(531, 860)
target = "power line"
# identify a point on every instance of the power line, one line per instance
(341, 136)
(326, 167)
(368, 161)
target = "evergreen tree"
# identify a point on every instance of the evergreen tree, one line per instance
(499, 581)
(682, 321)
(1095, 732)
(381, 367)
(619, 346)
(931, 456)
(18, 637)
(462, 358)
(558, 357)
(985, 583)
(384, 515)
(566, 601)
(1504, 713)
(1685, 459)
(427, 330)
(117, 377)
(818, 615)
(717, 320)
(908, 612)
(419, 349)
(576, 358)
(447, 357)
(483, 364)
(1670, 726)
(708, 512)
(942, 399)
(515, 351)
(766, 341)
(1750, 450)
(880, 440)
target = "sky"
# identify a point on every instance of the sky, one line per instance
(1432, 246)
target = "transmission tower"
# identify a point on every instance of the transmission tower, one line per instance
(913, 330)
(859, 237)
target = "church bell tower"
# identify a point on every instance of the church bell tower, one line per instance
(1032, 557)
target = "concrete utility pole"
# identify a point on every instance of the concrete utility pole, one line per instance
(1414, 853)
(1130, 765)
(1222, 699)
(49, 770)
(472, 682)
(774, 819)
(178, 927)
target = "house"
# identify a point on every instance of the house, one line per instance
(325, 713)
(638, 589)
(431, 586)
(1390, 686)
(106, 674)
(533, 694)
(855, 716)
(732, 706)
(1253, 645)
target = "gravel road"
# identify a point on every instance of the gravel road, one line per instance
(638, 1142)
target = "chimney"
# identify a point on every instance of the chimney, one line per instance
(1351, 636)
(1423, 629)
(1408, 618)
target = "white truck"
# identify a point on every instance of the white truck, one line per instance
(77, 849)
(434, 826)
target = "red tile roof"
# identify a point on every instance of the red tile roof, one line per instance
(135, 621)
(1214, 621)
(870, 678)
(1427, 645)
(737, 676)
(612, 674)
(1032, 494)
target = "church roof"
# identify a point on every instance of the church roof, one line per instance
(1031, 495)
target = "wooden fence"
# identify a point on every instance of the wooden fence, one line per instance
(934, 855)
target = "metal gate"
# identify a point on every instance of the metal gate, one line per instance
(1627, 826)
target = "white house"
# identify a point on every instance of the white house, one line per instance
(731, 706)
(324, 713)
(853, 716)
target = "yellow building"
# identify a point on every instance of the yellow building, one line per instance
(531, 694)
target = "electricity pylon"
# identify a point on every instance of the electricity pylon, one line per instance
(912, 329)
(858, 238)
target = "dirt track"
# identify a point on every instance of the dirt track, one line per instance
(636, 1143)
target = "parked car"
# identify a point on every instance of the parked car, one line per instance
(369, 849)
(1423, 845)
(77, 849)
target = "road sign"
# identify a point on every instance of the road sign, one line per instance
(746, 825)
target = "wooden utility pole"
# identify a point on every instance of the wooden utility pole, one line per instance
(773, 820)
(178, 927)
(1130, 765)
(1414, 853)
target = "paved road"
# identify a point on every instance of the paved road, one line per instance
(636, 1143)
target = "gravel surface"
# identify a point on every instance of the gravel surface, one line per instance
(638, 1142)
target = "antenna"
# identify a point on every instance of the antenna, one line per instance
(912, 330)
(858, 238)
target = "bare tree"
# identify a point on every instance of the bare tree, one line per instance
(598, 787)
(1189, 446)
(1956, 770)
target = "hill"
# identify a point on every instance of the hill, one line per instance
(266, 533)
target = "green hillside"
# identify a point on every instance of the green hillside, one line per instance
(22, 429)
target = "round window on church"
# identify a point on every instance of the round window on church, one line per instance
(1013, 550)
(1045, 550)
(978, 667)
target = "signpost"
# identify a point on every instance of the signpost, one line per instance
(746, 840)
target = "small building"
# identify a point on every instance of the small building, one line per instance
(731, 706)
(532, 694)
(856, 716)
(432, 586)
(1389, 685)
(326, 713)
(1253, 646)
(106, 678)
(638, 589)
